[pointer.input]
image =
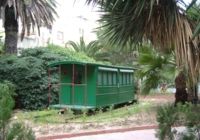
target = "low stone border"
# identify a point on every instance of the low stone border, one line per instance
(62, 136)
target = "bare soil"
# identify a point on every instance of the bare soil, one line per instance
(143, 118)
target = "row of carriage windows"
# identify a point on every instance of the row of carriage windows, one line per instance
(106, 78)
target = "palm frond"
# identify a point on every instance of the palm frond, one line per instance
(32, 13)
(154, 68)
(74, 45)
(197, 31)
(191, 4)
(162, 22)
(92, 49)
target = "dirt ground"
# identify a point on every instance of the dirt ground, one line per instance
(140, 119)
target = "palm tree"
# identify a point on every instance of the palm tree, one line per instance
(194, 13)
(154, 68)
(162, 22)
(120, 55)
(92, 49)
(31, 13)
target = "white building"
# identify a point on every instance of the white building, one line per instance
(75, 20)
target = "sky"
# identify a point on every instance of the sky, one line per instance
(76, 19)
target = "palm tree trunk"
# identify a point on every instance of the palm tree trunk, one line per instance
(11, 31)
(193, 94)
(181, 93)
(196, 93)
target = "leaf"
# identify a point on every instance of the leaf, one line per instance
(197, 31)
(191, 4)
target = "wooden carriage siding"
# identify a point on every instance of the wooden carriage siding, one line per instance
(90, 85)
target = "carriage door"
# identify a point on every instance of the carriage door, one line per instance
(79, 86)
(65, 85)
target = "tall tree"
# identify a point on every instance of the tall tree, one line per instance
(31, 13)
(92, 49)
(155, 68)
(194, 13)
(162, 22)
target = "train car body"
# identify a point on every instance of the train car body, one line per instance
(89, 85)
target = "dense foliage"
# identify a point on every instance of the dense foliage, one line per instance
(93, 49)
(15, 131)
(155, 68)
(29, 73)
(187, 115)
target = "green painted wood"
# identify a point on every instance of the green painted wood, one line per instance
(108, 93)
(91, 85)
(78, 92)
(76, 107)
(126, 93)
(65, 88)
(79, 98)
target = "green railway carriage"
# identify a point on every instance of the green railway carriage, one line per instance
(91, 85)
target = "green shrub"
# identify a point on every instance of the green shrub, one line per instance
(12, 131)
(166, 116)
(30, 77)
(70, 54)
(6, 105)
(187, 115)
(29, 73)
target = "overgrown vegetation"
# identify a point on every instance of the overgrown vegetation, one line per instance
(155, 69)
(93, 49)
(111, 115)
(187, 115)
(13, 131)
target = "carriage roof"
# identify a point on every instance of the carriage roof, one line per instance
(86, 63)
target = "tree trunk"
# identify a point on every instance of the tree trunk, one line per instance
(11, 31)
(193, 94)
(181, 93)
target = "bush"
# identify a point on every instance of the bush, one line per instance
(29, 73)
(12, 131)
(70, 54)
(30, 77)
(166, 116)
(187, 115)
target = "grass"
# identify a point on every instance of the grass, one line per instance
(111, 115)
(114, 114)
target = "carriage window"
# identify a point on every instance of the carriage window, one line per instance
(100, 78)
(109, 78)
(114, 78)
(105, 80)
(124, 78)
(128, 78)
(78, 77)
(121, 79)
(131, 78)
